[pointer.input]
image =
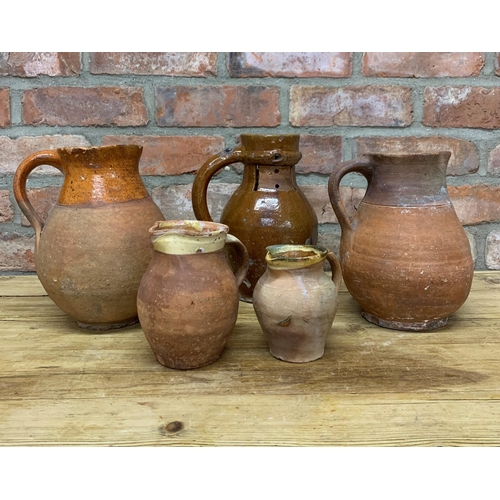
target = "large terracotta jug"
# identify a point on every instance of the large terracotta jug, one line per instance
(405, 256)
(188, 297)
(93, 249)
(268, 207)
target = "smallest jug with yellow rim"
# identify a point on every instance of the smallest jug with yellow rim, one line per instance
(188, 297)
(295, 301)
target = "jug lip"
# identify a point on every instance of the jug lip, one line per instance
(86, 149)
(204, 229)
(270, 149)
(445, 154)
(188, 237)
(294, 256)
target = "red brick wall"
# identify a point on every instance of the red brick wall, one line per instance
(184, 107)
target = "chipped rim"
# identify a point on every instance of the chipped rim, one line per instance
(185, 237)
(444, 155)
(99, 149)
(294, 256)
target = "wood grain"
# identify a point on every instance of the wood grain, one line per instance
(60, 385)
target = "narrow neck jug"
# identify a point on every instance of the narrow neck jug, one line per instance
(405, 256)
(268, 207)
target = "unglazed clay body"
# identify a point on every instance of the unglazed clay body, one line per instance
(405, 256)
(268, 207)
(188, 297)
(295, 302)
(93, 249)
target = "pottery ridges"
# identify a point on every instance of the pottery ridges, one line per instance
(188, 297)
(405, 256)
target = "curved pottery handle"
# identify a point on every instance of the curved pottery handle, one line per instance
(336, 269)
(361, 165)
(206, 172)
(241, 257)
(20, 178)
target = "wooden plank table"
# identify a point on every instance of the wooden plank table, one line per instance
(60, 385)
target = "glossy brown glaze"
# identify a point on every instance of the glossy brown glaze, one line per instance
(405, 257)
(268, 207)
(188, 298)
(93, 249)
(295, 302)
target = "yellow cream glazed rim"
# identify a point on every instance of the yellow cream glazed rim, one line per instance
(186, 237)
(294, 256)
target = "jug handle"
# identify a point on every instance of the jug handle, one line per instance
(336, 269)
(361, 165)
(242, 256)
(205, 173)
(47, 157)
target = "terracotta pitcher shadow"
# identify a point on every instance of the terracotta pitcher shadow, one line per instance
(295, 302)
(268, 207)
(188, 298)
(93, 249)
(405, 256)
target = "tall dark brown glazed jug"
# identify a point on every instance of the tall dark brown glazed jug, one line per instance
(94, 247)
(268, 208)
(405, 256)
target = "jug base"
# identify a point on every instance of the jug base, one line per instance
(108, 326)
(179, 364)
(297, 357)
(417, 326)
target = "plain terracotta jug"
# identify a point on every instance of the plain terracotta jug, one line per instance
(295, 302)
(93, 249)
(405, 256)
(188, 297)
(268, 207)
